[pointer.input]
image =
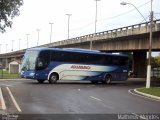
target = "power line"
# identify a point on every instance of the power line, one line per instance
(113, 17)
(125, 12)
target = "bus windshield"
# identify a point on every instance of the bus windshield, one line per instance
(29, 60)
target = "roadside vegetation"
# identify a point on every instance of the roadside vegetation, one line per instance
(7, 75)
(152, 91)
(156, 62)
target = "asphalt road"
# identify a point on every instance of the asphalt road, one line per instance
(75, 98)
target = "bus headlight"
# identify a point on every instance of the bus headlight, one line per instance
(32, 74)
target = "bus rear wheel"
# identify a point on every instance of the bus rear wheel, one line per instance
(107, 79)
(53, 78)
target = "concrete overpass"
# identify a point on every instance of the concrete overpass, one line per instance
(133, 38)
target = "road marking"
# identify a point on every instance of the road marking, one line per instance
(95, 98)
(2, 100)
(101, 102)
(142, 96)
(140, 116)
(13, 99)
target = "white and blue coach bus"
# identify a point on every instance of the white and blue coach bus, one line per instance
(55, 64)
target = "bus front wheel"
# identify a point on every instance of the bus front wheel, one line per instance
(53, 78)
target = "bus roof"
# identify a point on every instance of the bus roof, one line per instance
(78, 50)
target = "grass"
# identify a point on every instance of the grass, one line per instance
(152, 91)
(7, 75)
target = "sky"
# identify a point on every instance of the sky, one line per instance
(37, 14)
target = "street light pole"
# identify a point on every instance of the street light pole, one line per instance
(96, 17)
(27, 39)
(68, 22)
(19, 43)
(6, 58)
(6, 47)
(0, 48)
(51, 32)
(150, 43)
(125, 3)
(12, 45)
(38, 36)
(91, 42)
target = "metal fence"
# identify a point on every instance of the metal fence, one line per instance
(155, 72)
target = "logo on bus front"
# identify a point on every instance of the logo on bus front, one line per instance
(80, 67)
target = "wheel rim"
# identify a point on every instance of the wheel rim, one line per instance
(108, 79)
(53, 78)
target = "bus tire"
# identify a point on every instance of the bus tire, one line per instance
(53, 78)
(108, 79)
(40, 81)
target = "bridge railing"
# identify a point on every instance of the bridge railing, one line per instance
(140, 28)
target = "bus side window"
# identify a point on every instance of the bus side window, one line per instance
(43, 59)
(115, 61)
(56, 56)
(123, 61)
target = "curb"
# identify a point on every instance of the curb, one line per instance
(147, 95)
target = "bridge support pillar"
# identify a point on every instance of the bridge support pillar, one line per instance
(140, 63)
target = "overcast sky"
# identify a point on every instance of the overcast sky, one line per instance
(37, 14)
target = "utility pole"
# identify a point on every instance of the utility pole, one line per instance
(150, 50)
(148, 81)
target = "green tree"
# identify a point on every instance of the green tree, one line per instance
(8, 10)
(155, 62)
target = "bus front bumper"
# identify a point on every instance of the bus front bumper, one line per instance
(28, 75)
